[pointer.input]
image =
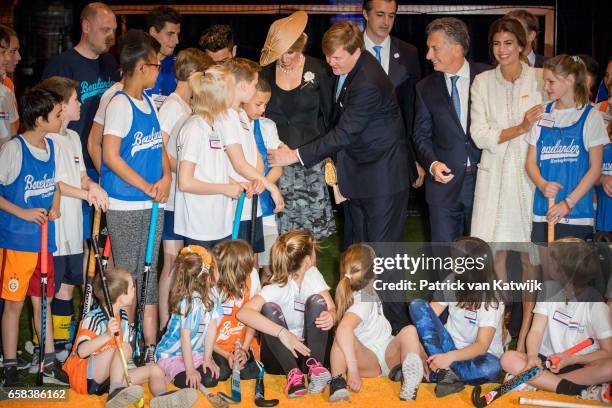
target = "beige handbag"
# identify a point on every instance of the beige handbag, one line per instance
(332, 180)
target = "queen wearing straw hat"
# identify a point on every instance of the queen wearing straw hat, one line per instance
(301, 105)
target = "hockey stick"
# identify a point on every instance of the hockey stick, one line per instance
(91, 267)
(253, 218)
(489, 397)
(145, 282)
(260, 399)
(44, 251)
(553, 361)
(214, 400)
(108, 311)
(551, 225)
(559, 404)
(236, 394)
(238, 216)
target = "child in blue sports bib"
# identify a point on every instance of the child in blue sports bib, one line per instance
(565, 151)
(136, 172)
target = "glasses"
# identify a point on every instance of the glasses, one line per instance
(158, 66)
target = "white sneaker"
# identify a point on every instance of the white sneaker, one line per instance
(412, 371)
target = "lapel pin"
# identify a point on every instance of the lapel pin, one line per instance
(396, 55)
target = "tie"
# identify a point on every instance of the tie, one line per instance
(455, 96)
(377, 49)
(341, 79)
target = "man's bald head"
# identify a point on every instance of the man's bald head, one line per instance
(98, 25)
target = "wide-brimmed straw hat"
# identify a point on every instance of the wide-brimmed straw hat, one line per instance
(281, 36)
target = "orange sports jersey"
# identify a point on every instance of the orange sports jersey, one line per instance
(230, 328)
(94, 324)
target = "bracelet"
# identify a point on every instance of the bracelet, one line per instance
(280, 331)
(570, 203)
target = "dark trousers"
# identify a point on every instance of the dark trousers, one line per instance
(276, 358)
(375, 219)
(450, 223)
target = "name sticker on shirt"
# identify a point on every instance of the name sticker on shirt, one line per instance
(547, 120)
(228, 310)
(215, 143)
(299, 304)
(471, 316)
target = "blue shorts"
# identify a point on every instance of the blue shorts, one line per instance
(68, 270)
(168, 233)
(87, 209)
(205, 244)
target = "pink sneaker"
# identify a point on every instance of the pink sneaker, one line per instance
(295, 384)
(318, 376)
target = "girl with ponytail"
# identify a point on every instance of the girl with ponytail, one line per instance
(364, 346)
(565, 152)
(203, 208)
(294, 313)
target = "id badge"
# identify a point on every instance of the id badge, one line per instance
(561, 318)
(299, 304)
(471, 316)
(215, 143)
(158, 100)
(228, 310)
(547, 120)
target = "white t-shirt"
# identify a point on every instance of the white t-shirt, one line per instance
(594, 132)
(172, 115)
(70, 166)
(292, 298)
(106, 97)
(572, 322)
(374, 327)
(203, 217)
(271, 141)
(235, 128)
(10, 159)
(463, 325)
(8, 113)
(118, 122)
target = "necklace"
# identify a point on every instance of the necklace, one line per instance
(292, 69)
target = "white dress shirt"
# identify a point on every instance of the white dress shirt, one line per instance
(531, 57)
(385, 51)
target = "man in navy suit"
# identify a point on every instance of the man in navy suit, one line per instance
(441, 130)
(400, 61)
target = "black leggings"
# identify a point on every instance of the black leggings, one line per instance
(277, 359)
(249, 372)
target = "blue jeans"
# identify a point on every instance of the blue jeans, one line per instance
(436, 340)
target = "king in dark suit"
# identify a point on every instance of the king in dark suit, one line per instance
(441, 131)
(368, 143)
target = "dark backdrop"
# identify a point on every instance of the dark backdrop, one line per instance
(47, 27)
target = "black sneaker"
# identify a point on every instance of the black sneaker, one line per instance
(395, 374)
(149, 355)
(11, 378)
(250, 371)
(22, 364)
(337, 389)
(54, 374)
(447, 383)
(120, 397)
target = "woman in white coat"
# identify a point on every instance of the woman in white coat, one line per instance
(506, 103)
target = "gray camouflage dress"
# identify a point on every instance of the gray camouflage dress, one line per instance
(301, 115)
